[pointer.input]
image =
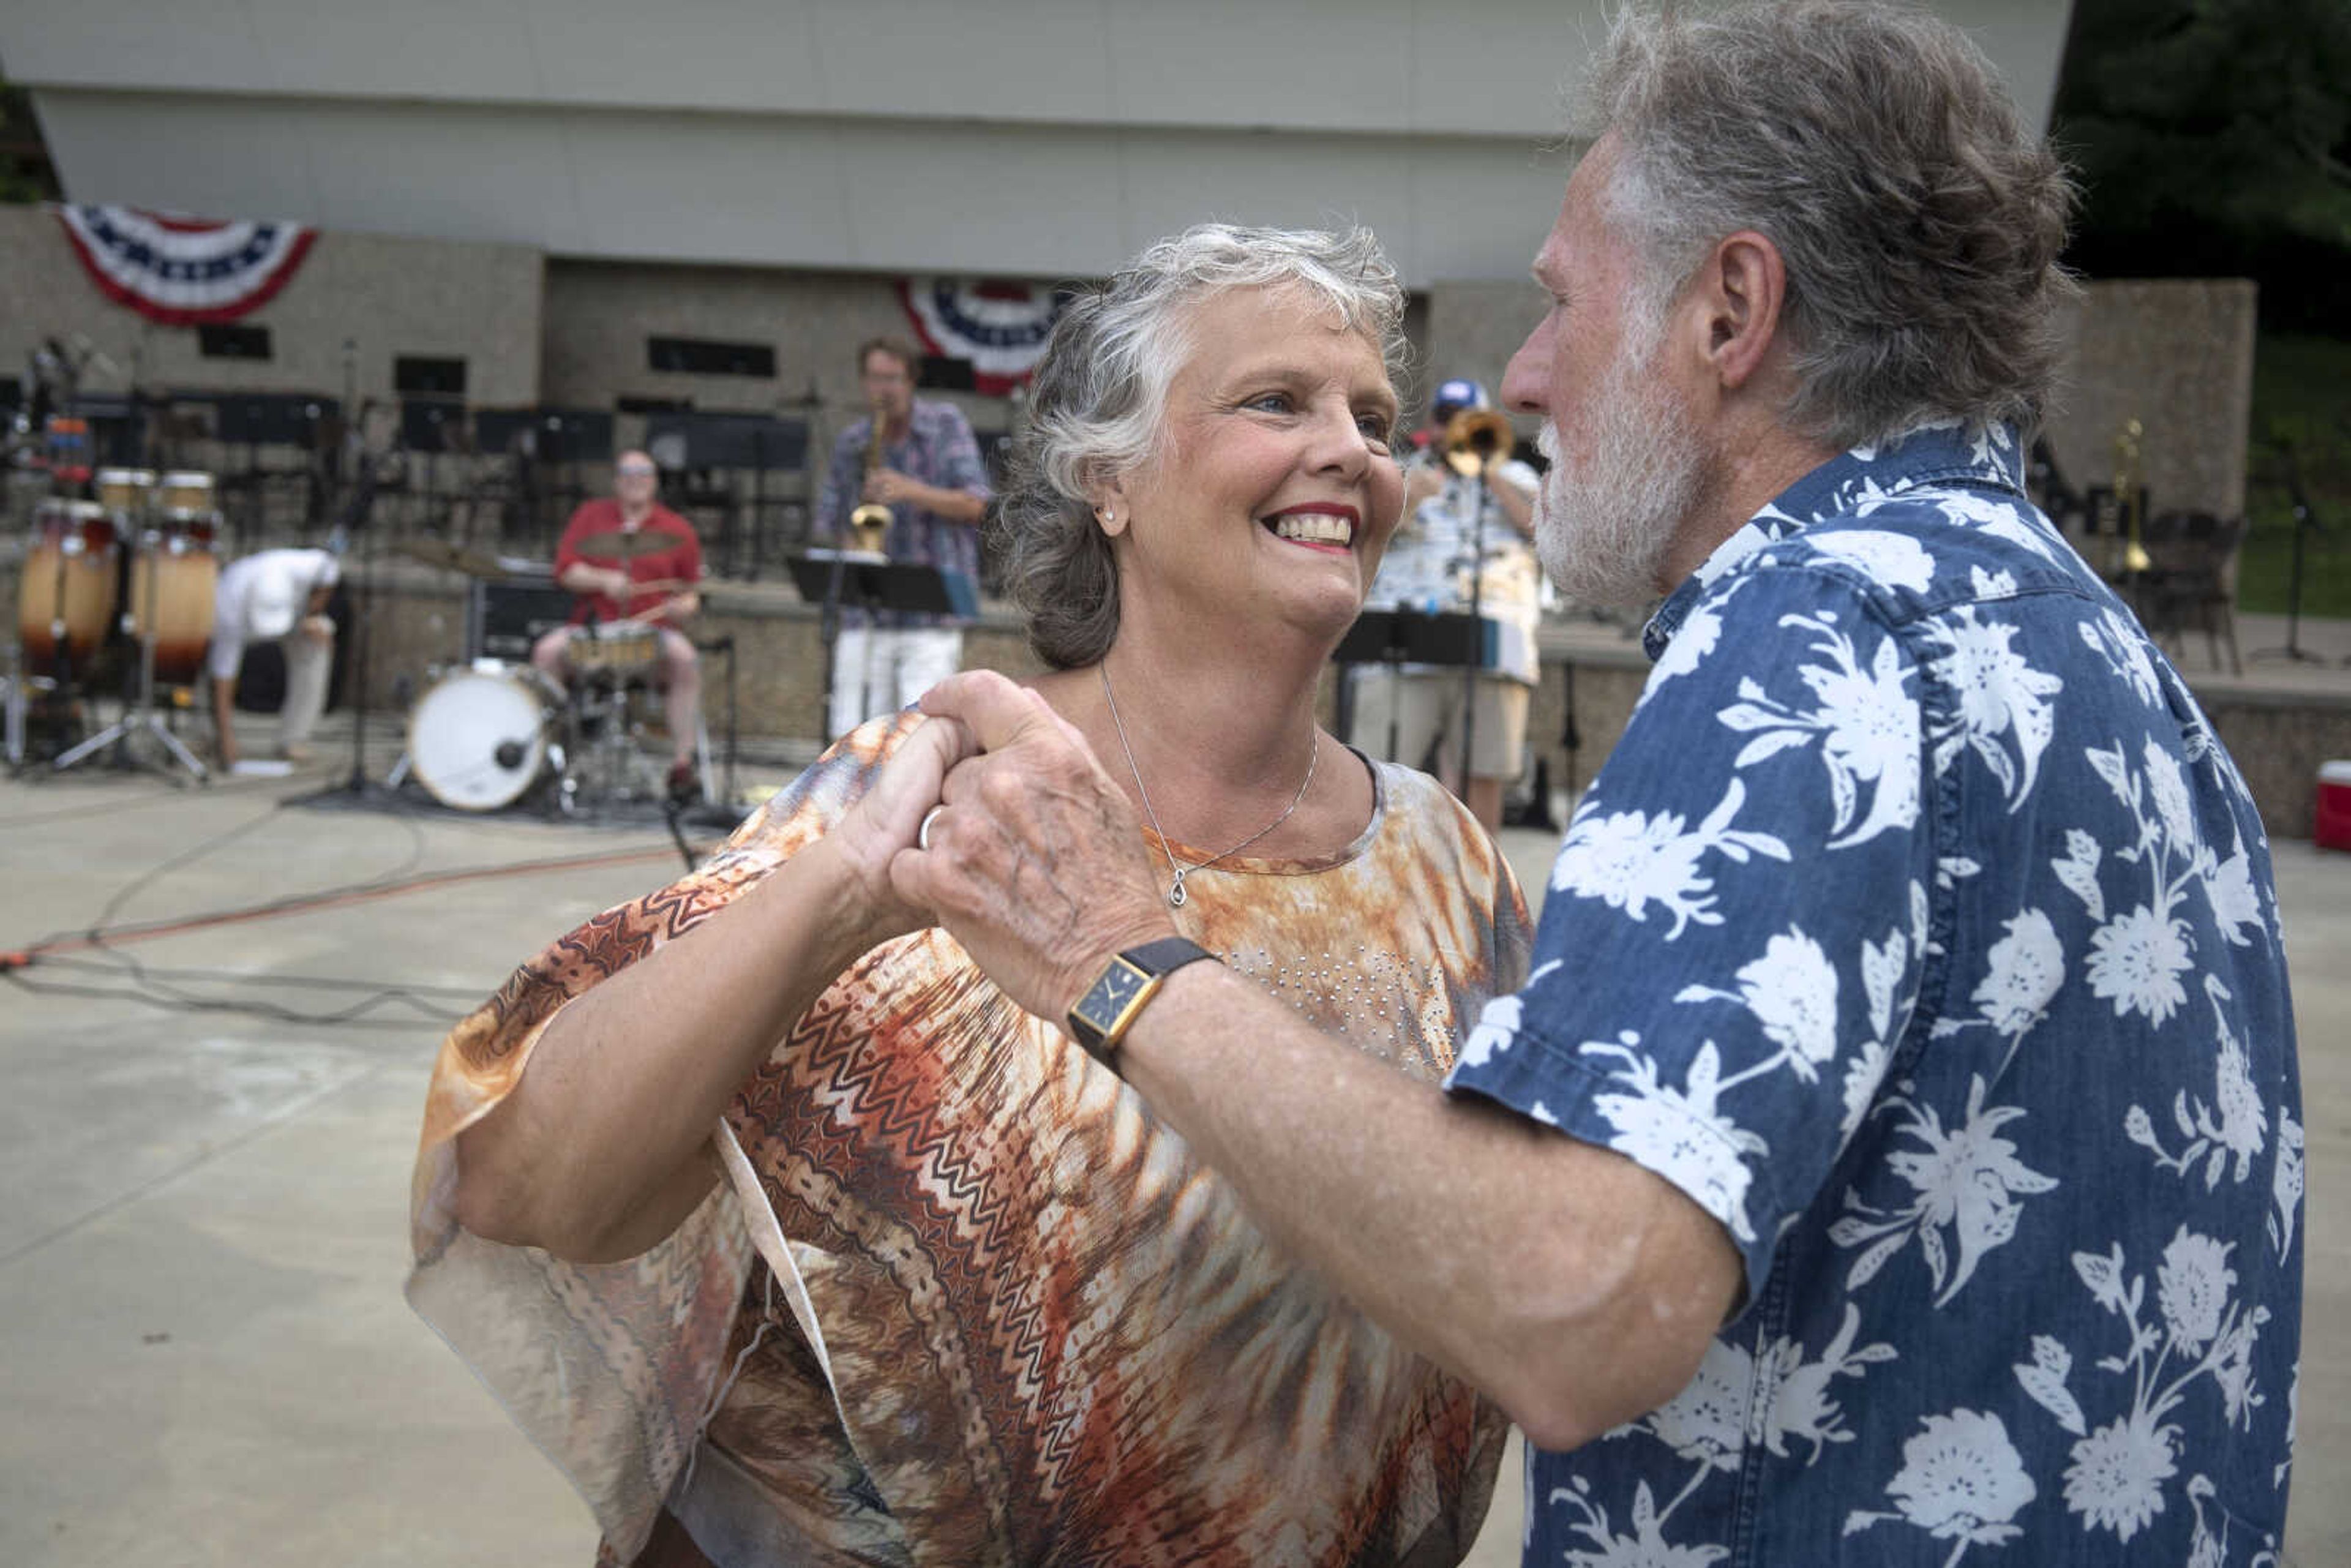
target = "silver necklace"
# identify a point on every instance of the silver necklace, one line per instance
(1175, 895)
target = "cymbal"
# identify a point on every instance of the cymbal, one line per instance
(452, 557)
(622, 543)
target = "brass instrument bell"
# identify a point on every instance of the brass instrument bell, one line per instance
(1474, 437)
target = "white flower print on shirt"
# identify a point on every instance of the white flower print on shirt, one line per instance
(1961, 1480)
(2285, 1183)
(1706, 1423)
(2116, 1482)
(2137, 957)
(1680, 1134)
(2122, 645)
(1697, 638)
(2003, 519)
(1645, 1548)
(1999, 695)
(1498, 1023)
(1800, 1406)
(1895, 559)
(1792, 992)
(2022, 972)
(1868, 723)
(1968, 1178)
(1629, 860)
(2120, 1471)
(2233, 1128)
(2136, 961)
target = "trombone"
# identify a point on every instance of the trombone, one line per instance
(1475, 437)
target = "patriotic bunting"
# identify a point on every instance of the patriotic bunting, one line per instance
(1000, 327)
(184, 272)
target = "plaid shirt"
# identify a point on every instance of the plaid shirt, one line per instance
(938, 449)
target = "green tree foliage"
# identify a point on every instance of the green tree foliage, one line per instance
(2214, 138)
(24, 172)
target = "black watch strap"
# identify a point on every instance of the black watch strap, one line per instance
(1111, 1005)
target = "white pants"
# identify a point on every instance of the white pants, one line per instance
(309, 661)
(877, 671)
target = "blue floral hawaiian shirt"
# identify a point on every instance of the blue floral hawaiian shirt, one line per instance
(939, 449)
(1920, 930)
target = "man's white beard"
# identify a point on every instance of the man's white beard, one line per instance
(1603, 529)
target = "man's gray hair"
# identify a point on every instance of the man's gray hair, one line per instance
(1098, 401)
(1920, 223)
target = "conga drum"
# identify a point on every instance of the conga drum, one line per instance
(186, 490)
(125, 490)
(173, 575)
(65, 597)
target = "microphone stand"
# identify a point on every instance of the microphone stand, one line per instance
(1470, 671)
(357, 503)
(2305, 521)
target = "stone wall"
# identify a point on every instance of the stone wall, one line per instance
(601, 314)
(2178, 356)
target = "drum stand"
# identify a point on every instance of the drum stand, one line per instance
(141, 717)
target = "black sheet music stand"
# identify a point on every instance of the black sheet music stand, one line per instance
(860, 580)
(1399, 637)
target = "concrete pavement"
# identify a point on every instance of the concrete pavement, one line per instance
(205, 1358)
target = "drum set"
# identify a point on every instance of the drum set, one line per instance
(490, 732)
(128, 576)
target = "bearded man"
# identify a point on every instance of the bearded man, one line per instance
(1899, 1135)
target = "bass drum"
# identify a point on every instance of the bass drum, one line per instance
(478, 739)
(66, 588)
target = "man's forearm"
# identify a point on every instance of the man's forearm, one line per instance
(1572, 1286)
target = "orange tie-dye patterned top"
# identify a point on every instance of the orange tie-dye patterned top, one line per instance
(963, 1300)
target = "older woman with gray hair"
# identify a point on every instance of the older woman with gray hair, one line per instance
(794, 1240)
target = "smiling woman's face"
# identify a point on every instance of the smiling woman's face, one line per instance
(1273, 492)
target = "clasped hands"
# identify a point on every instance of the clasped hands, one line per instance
(996, 821)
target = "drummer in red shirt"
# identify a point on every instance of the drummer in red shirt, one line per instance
(652, 583)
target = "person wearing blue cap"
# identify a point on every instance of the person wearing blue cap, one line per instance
(1465, 544)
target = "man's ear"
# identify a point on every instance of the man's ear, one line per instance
(1743, 286)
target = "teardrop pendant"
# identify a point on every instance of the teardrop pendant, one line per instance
(1175, 892)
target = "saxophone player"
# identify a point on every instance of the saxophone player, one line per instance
(919, 461)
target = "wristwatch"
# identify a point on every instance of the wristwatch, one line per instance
(1111, 1005)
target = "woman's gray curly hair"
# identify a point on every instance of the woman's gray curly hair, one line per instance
(1099, 395)
(1873, 145)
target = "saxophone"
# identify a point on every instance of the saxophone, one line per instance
(871, 520)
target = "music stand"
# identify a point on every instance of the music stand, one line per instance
(860, 580)
(1400, 637)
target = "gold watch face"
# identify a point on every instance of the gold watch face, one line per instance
(1119, 985)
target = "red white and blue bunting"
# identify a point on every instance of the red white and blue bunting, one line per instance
(184, 272)
(1000, 327)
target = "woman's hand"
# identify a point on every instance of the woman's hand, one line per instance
(1037, 864)
(889, 816)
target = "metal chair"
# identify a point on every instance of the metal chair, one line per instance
(2191, 581)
